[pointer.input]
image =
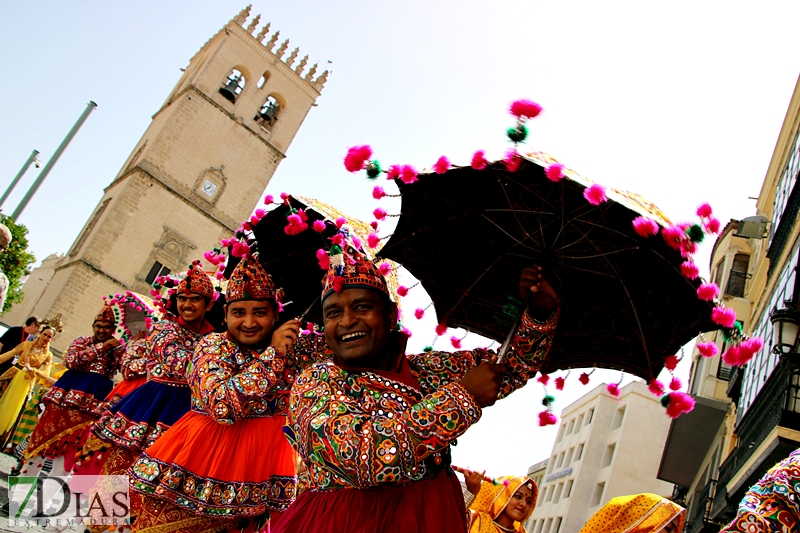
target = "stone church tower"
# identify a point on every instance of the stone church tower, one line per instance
(195, 175)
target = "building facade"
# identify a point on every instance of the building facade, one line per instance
(605, 447)
(197, 172)
(761, 424)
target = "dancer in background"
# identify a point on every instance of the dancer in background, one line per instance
(501, 506)
(639, 513)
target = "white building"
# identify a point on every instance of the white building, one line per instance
(605, 448)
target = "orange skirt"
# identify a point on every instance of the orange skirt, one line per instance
(59, 432)
(159, 516)
(222, 470)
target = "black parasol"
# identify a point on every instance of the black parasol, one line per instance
(466, 234)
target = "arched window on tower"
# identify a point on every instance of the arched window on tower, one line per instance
(267, 116)
(264, 79)
(232, 85)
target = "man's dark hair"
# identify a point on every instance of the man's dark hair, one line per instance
(32, 320)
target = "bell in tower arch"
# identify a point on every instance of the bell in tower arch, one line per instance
(233, 86)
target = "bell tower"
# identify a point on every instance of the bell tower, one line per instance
(199, 170)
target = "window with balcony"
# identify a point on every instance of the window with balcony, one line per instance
(608, 456)
(619, 416)
(738, 276)
(597, 494)
(155, 271)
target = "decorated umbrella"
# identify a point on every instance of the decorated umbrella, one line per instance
(625, 303)
(134, 313)
(287, 239)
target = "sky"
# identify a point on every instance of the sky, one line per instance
(681, 102)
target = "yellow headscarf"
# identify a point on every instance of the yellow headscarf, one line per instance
(640, 513)
(492, 500)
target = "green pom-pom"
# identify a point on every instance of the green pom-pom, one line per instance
(548, 400)
(665, 400)
(696, 233)
(335, 250)
(517, 134)
(373, 169)
(427, 349)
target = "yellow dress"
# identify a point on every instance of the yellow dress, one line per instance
(492, 500)
(639, 513)
(22, 381)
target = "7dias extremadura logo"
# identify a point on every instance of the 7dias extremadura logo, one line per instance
(64, 501)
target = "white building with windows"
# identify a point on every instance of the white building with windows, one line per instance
(606, 447)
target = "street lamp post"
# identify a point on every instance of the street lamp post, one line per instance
(785, 327)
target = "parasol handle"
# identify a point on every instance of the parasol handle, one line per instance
(308, 310)
(501, 353)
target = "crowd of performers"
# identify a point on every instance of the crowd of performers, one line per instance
(212, 426)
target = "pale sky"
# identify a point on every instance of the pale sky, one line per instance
(681, 102)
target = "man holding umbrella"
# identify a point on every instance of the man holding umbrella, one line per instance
(374, 425)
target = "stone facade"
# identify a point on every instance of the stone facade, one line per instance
(197, 172)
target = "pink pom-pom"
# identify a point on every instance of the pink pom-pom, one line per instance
(584, 378)
(356, 243)
(441, 165)
(357, 157)
(337, 239)
(456, 342)
(595, 195)
(219, 275)
(544, 379)
(525, 108)
(385, 268)
(546, 418)
(319, 226)
(560, 383)
(753, 345)
(408, 174)
(285, 197)
(644, 226)
(690, 270)
(724, 316)
(240, 249)
(704, 210)
(671, 362)
(441, 329)
(402, 290)
(393, 172)
(379, 213)
(679, 402)
(712, 225)
(656, 388)
(707, 349)
(373, 240)
(707, 291)
(688, 248)
(323, 259)
(613, 389)
(269, 199)
(378, 192)
(675, 384)
(555, 172)
(154, 292)
(673, 236)
(341, 221)
(338, 283)
(419, 313)
(512, 160)
(405, 331)
(479, 161)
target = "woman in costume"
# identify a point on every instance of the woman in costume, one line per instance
(33, 365)
(771, 505)
(143, 415)
(71, 402)
(499, 507)
(227, 464)
(640, 513)
(18, 440)
(374, 426)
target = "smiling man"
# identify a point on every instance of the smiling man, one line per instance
(374, 426)
(227, 461)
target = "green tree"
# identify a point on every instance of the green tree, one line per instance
(15, 261)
